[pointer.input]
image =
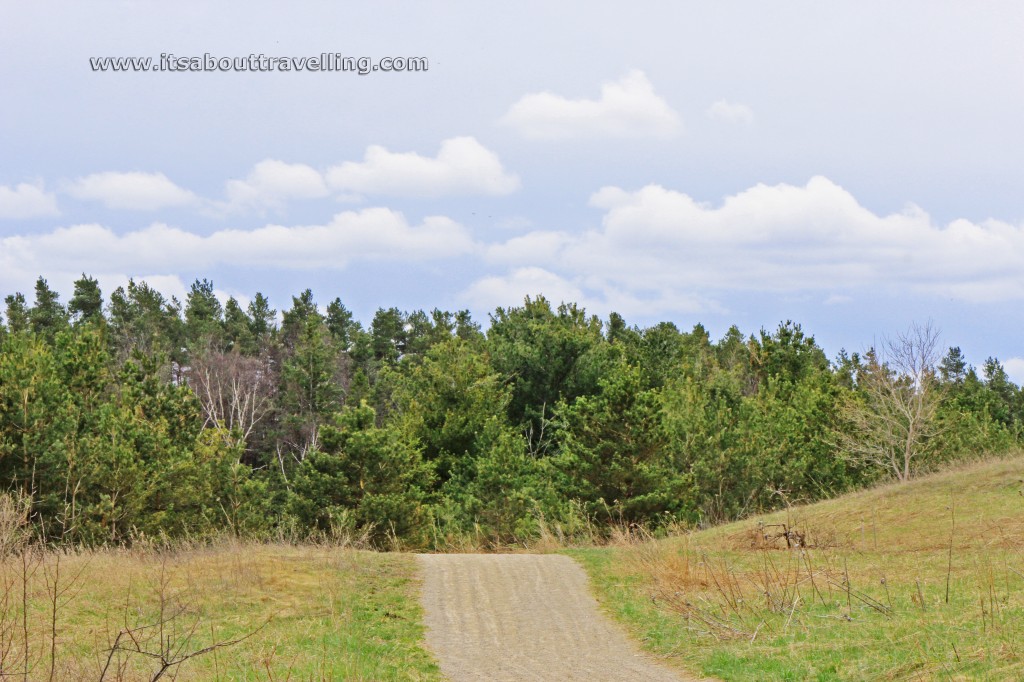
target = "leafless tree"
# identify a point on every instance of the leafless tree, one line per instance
(235, 391)
(891, 420)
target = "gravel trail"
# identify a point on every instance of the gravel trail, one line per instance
(524, 617)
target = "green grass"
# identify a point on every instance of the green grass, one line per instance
(301, 613)
(728, 604)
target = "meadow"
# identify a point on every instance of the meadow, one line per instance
(222, 611)
(920, 580)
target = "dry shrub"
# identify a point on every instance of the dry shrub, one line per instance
(733, 599)
(15, 531)
(673, 567)
(708, 594)
(783, 536)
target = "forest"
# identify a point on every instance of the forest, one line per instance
(139, 416)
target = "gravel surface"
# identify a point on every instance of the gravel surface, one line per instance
(524, 617)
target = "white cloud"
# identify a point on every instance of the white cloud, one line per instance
(370, 234)
(790, 238)
(133, 191)
(1015, 370)
(591, 293)
(536, 248)
(463, 166)
(659, 250)
(730, 112)
(488, 293)
(26, 201)
(628, 107)
(272, 183)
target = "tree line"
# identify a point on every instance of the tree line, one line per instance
(145, 416)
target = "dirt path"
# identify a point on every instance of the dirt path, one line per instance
(524, 617)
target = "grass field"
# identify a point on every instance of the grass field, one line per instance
(917, 581)
(279, 612)
(903, 582)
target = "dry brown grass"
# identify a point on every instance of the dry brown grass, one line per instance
(269, 611)
(922, 580)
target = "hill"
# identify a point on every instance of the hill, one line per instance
(923, 580)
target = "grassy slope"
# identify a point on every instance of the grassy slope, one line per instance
(329, 614)
(728, 604)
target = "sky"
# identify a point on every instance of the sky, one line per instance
(855, 167)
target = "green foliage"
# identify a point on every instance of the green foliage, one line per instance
(974, 417)
(238, 330)
(16, 313)
(141, 319)
(499, 494)
(204, 316)
(388, 337)
(701, 422)
(785, 441)
(311, 389)
(370, 477)
(150, 418)
(446, 401)
(34, 412)
(614, 457)
(261, 319)
(341, 324)
(104, 456)
(548, 356)
(140, 469)
(86, 304)
(787, 354)
(47, 317)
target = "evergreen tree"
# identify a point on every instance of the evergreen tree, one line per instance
(261, 316)
(86, 304)
(47, 316)
(204, 317)
(341, 324)
(296, 319)
(238, 334)
(388, 335)
(364, 477)
(16, 313)
(142, 320)
(313, 386)
(466, 329)
(547, 356)
(953, 368)
(614, 458)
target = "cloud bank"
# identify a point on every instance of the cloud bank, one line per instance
(462, 167)
(660, 249)
(370, 234)
(653, 251)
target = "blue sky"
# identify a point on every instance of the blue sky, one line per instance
(854, 166)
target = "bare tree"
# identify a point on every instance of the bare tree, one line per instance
(890, 421)
(235, 391)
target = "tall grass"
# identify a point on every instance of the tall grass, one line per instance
(923, 580)
(225, 610)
